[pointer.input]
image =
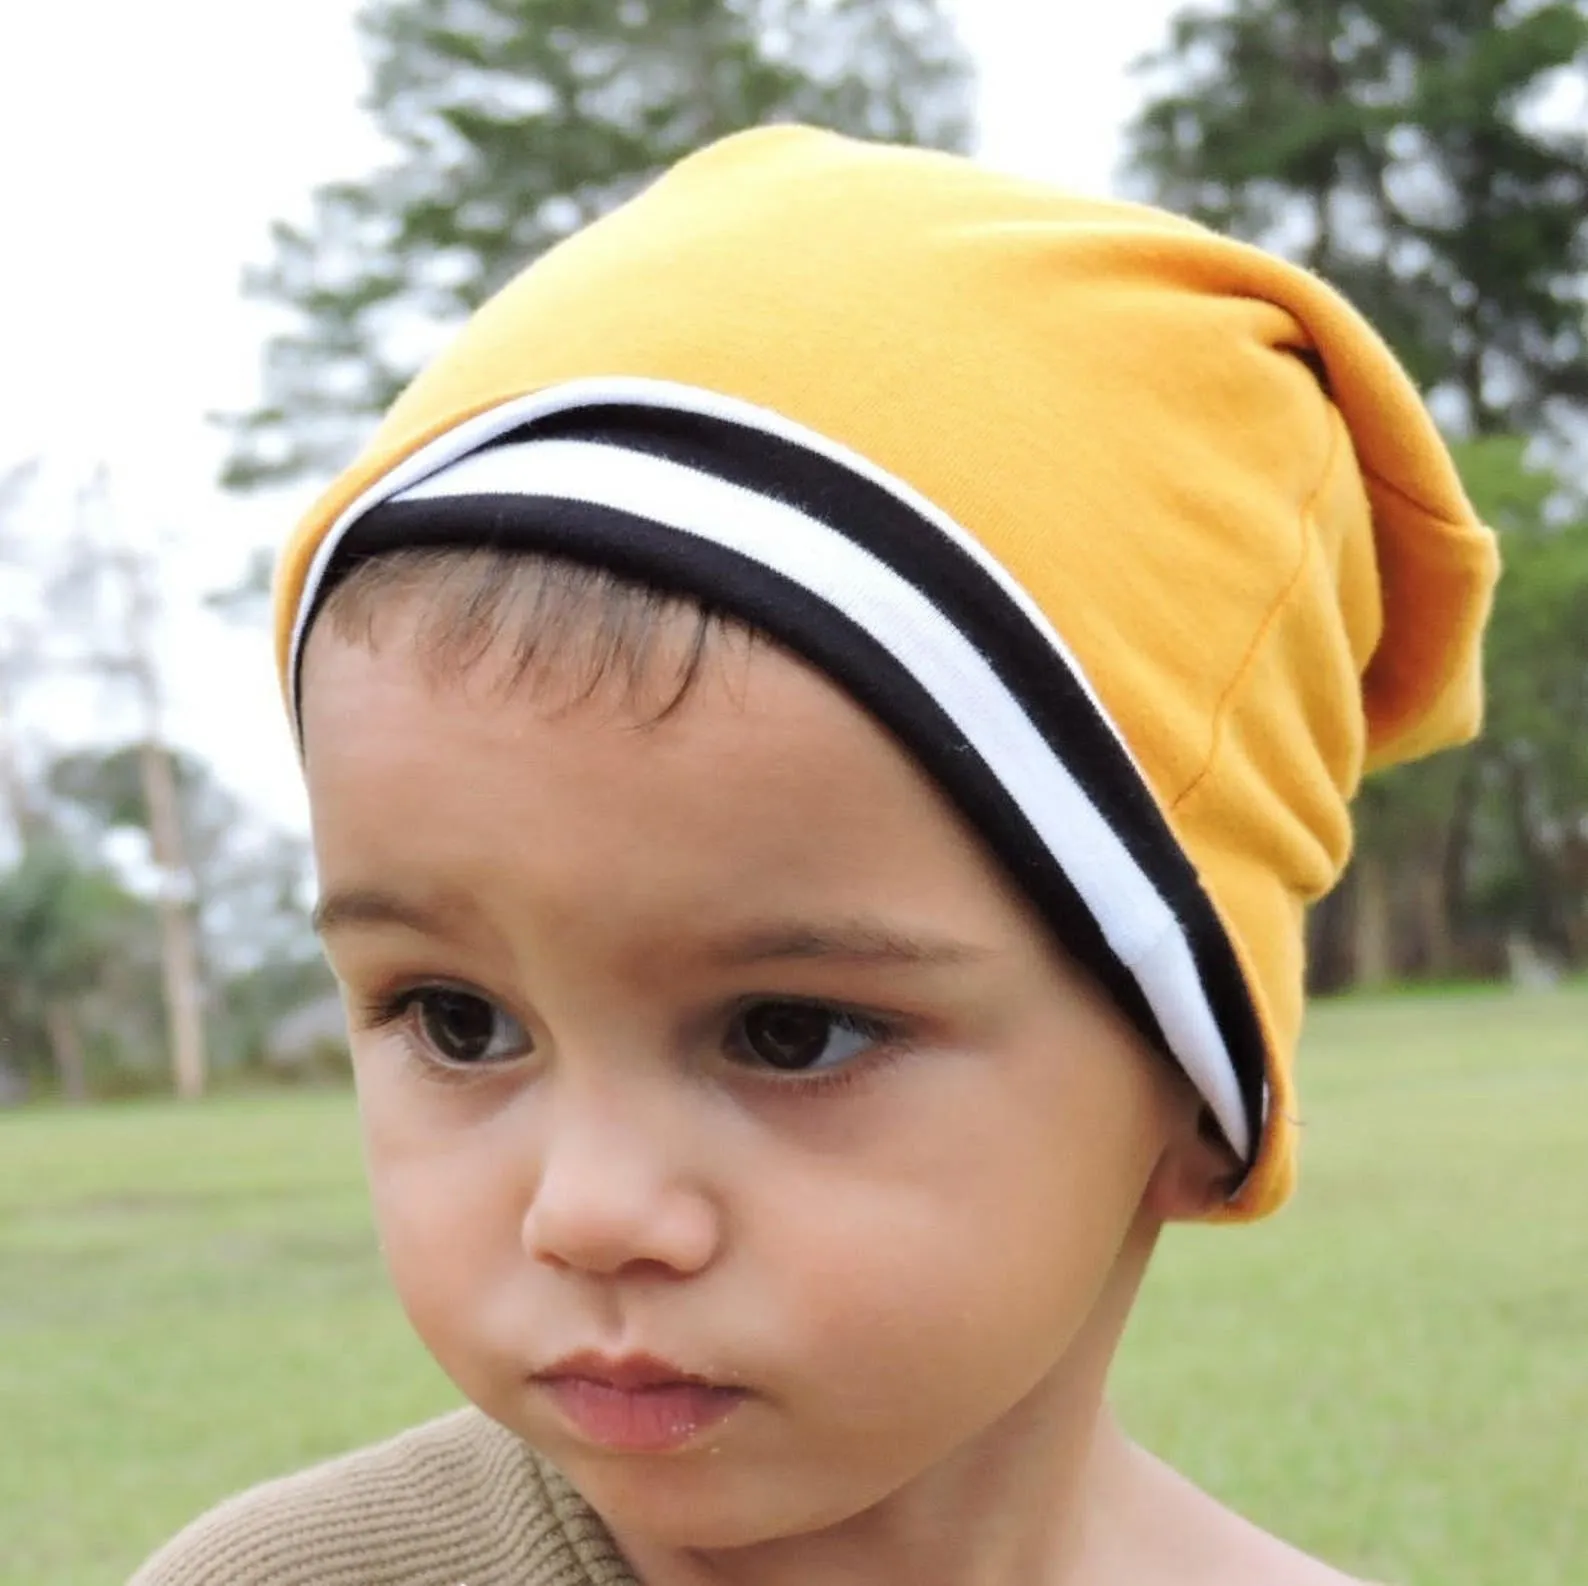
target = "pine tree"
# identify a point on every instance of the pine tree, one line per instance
(515, 122)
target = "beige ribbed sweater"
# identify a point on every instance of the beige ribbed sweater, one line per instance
(457, 1502)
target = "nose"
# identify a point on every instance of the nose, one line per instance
(613, 1195)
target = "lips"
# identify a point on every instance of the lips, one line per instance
(635, 1404)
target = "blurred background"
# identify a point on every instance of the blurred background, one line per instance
(231, 234)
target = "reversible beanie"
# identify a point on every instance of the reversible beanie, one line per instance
(1136, 538)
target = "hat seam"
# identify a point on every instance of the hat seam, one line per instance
(1462, 525)
(1308, 542)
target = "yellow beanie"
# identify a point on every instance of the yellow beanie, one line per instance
(1138, 538)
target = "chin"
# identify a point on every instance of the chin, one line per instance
(699, 1501)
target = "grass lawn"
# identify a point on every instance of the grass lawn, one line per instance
(1393, 1373)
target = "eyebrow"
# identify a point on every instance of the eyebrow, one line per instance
(370, 906)
(867, 942)
(851, 941)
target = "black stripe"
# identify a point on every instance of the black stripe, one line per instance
(974, 602)
(663, 557)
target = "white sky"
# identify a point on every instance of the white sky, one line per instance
(144, 149)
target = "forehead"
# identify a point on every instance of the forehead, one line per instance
(766, 778)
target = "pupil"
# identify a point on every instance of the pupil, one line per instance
(458, 1026)
(790, 1036)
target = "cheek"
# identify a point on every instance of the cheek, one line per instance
(447, 1207)
(938, 1275)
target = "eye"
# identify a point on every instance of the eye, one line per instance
(463, 1029)
(801, 1037)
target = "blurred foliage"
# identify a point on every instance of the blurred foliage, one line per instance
(80, 985)
(85, 983)
(68, 930)
(515, 122)
(1530, 862)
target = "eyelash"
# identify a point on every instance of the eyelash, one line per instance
(889, 1038)
(391, 1012)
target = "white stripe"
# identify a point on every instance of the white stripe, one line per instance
(1134, 918)
(670, 396)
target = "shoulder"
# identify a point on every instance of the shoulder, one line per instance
(456, 1500)
(1281, 1565)
(1193, 1539)
(1257, 1558)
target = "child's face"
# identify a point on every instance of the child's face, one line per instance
(910, 1247)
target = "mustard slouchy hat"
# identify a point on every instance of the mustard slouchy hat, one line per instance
(1136, 537)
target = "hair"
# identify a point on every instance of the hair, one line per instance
(544, 619)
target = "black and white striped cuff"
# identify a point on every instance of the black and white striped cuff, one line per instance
(850, 568)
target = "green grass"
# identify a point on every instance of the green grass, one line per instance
(1394, 1372)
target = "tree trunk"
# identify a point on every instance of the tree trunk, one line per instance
(1546, 915)
(1456, 861)
(1574, 878)
(179, 955)
(1371, 922)
(1436, 941)
(1329, 946)
(66, 1047)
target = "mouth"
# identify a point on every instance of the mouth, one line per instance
(634, 1404)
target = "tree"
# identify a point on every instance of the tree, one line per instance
(121, 955)
(1532, 878)
(248, 882)
(1458, 856)
(514, 123)
(1396, 147)
(106, 592)
(61, 923)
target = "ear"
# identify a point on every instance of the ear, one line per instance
(1197, 1173)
